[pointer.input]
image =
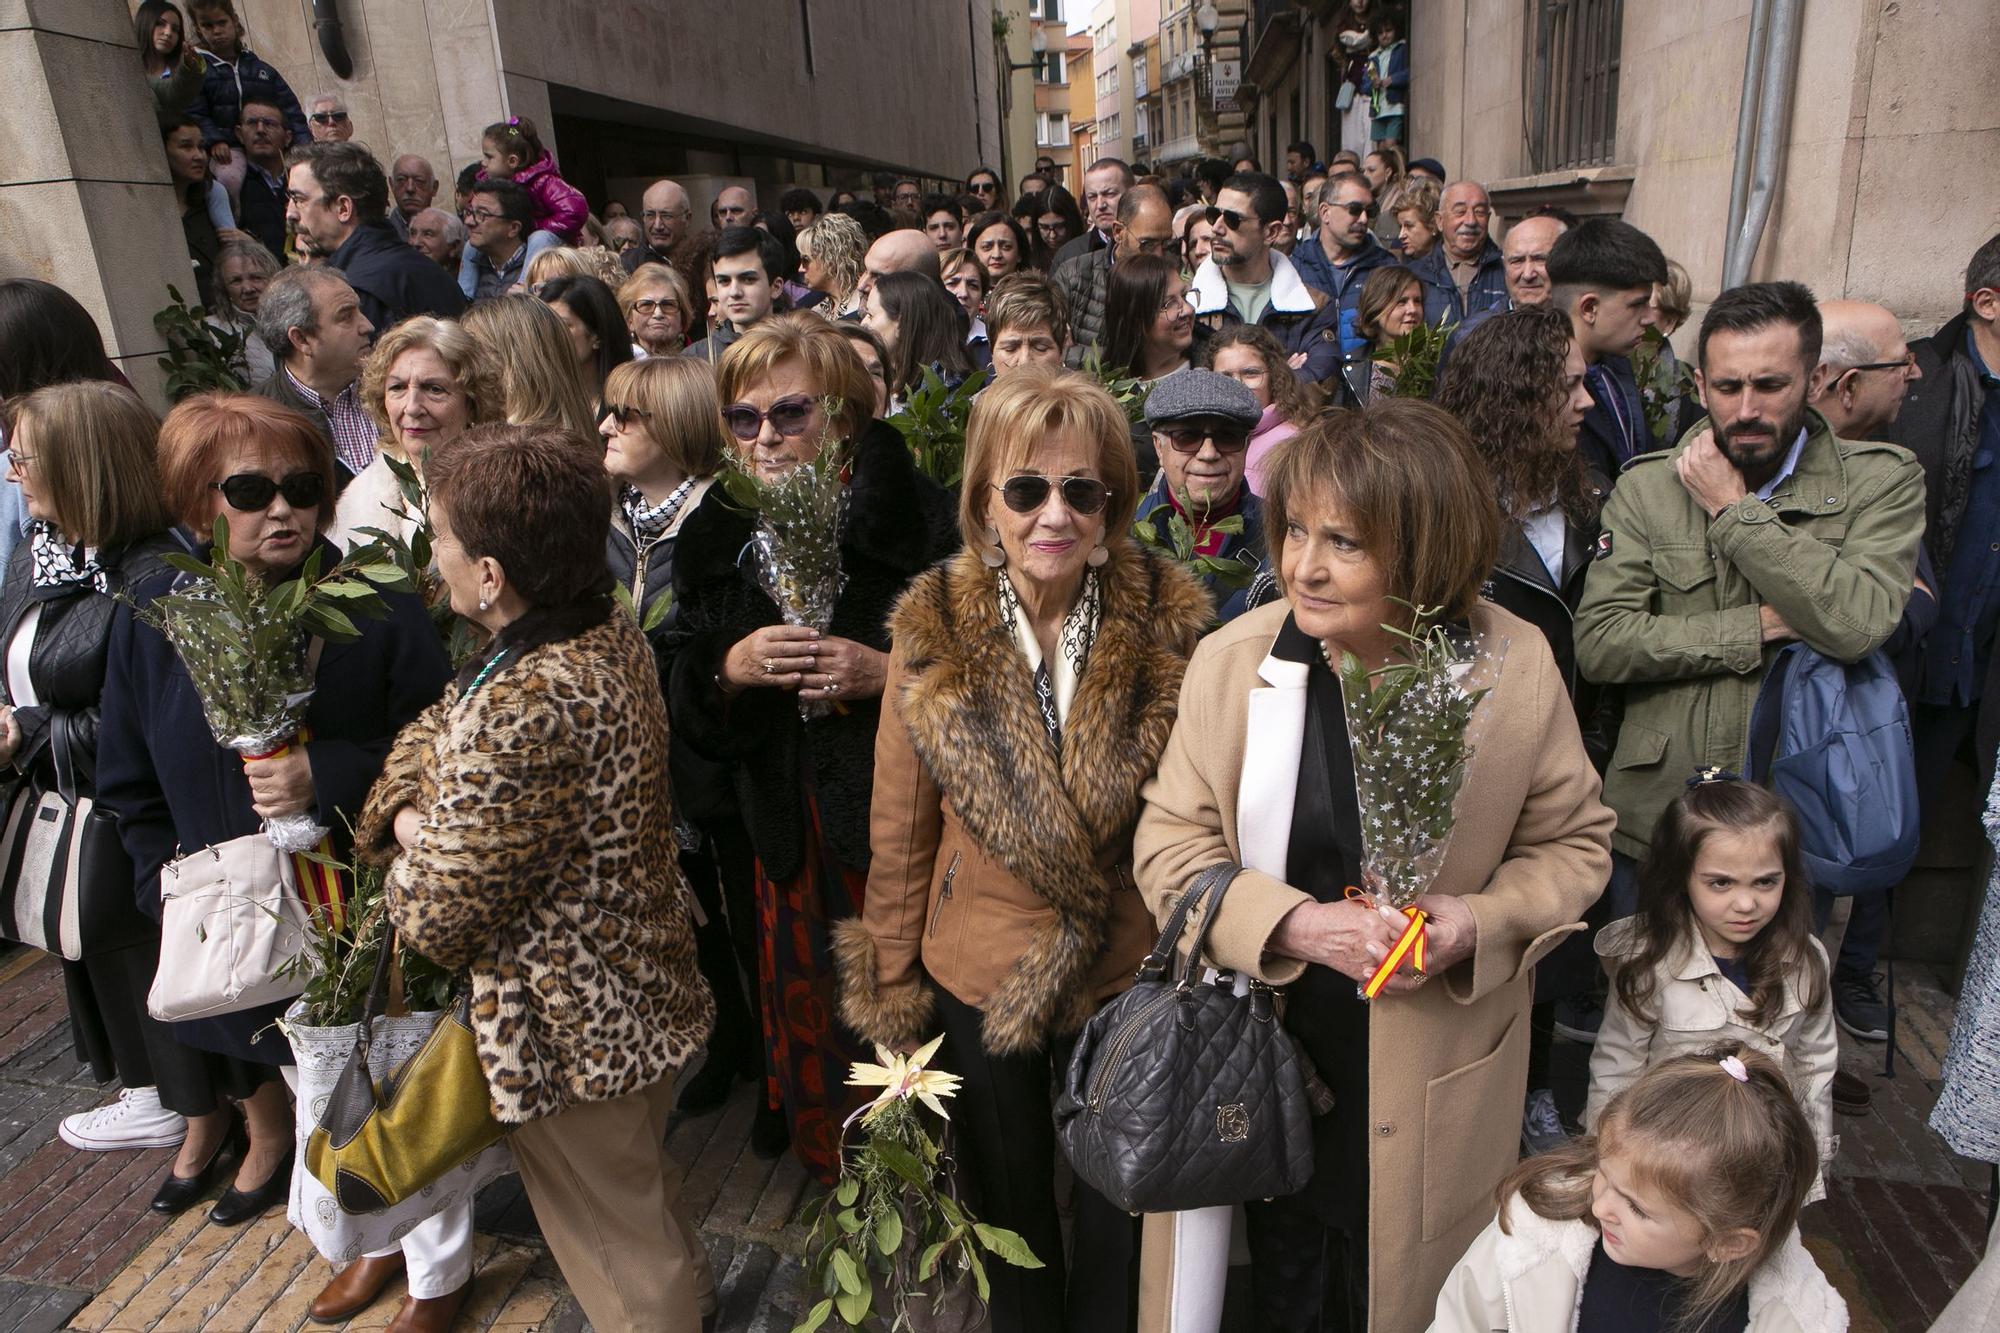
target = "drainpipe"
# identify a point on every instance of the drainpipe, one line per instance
(1746, 120)
(332, 42)
(1774, 108)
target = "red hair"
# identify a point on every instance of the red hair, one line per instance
(204, 432)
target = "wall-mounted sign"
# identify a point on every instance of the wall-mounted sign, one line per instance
(1223, 78)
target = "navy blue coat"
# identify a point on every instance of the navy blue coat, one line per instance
(393, 279)
(160, 770)
(223, 87)
(1246, 546)
(1441, 301)
(1342, 283)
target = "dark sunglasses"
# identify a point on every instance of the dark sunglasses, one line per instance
(1355, 209)
(329, 117)
(1228, 217)
(622, 413)
(985, 187)
(788, 416)
(1083, 495)
(248, 492)
(1188, 439)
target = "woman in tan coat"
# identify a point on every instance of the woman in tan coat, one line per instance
(1364, 507)
(1031, 689)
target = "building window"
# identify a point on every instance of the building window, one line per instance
(1107, 82)
(1047, 10)
(1139, 72)
(1052, 67)
(1574, 120)
(1106, 34)
(1052, 129)
(1142, 126)
(1109, 129)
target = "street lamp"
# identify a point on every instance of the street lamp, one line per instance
(1038, 43)
(1205, 19)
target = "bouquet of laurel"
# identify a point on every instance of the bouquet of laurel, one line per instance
(1165, 531)
(1408, 727)
(413, 555)
(244, 644)
(1127, 390)
(1412, 359)
(797, 541)
(892, 1247)
(932, 421)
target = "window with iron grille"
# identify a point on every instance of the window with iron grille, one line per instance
(1573, 99)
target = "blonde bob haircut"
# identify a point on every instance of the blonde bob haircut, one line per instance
(541, 383)
(471, 369)
(1027, 300)
(648, 276)
(831, 364)
(91, 450)
(1014, 418)
(1405, 475)
(683, 412)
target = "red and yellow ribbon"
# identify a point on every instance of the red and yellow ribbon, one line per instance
(320, 885)
(1409, 946)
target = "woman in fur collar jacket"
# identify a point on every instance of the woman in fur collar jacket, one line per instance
(1031, 690)
(737, 676)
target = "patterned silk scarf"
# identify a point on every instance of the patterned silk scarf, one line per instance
(1055, 687)
(57, 572)
(649, 522)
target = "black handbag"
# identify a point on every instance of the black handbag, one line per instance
(65, 880)
(1181, 1093)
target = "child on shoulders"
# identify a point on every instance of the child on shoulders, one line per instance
(1680, 1215)
(511, 150)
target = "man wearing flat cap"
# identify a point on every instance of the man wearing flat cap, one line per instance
(1201, 424)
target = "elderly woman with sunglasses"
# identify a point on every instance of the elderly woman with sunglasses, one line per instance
(791, 708)
(1031, 691)
(175, 789)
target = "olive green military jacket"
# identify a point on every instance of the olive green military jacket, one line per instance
(1670, 606)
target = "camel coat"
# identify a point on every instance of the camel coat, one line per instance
(1447, 1064)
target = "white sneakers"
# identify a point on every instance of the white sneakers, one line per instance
(135, 1120)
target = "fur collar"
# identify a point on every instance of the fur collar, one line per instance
(890, 505)
(1289, 293)
(1056, 826)
(1788, 1282)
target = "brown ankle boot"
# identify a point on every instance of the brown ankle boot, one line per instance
(353, 1289)
(433, 1315)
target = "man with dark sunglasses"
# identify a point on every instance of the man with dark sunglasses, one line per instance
(1339, 256)
(1201, 424)
(1245, 280)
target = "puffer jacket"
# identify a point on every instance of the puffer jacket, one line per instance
(220, 102)
(1529, 1279)
(1696, 1008)
(559, 206)
(1441, 298)
(1301, 317)
(1670, 606)
(1085, 282)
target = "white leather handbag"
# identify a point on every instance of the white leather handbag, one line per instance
(231, 919)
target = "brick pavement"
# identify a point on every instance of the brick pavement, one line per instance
(1902, 1225)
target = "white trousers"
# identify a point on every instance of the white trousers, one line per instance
(437, 1255)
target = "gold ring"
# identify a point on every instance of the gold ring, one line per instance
(770, 665)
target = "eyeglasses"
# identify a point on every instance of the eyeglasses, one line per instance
(1026, 494)
(260, 123)
(248, 492)
(622, 413)
(20, 462)
(1188, 439)
(666, 305)
(1174, 304)
(329, 117)
(662, 214)
(480, 214)
(984, 187)
(788, 416)
(1355, 209)
(1908, 361)
(1228, 217)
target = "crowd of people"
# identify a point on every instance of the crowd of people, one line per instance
(678, 838)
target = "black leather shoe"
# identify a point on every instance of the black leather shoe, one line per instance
(769, 1134)
(177, 1194)
(236, 1206)
(711, 1085)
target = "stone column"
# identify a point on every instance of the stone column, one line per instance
(85, 199)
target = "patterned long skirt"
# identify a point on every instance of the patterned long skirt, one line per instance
(807, 1049)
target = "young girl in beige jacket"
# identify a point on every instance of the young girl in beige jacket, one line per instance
(1679, 1214)
(1721, 950)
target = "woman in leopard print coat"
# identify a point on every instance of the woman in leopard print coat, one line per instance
(530, 825)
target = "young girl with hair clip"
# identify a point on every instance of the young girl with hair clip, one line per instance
(511, 150)
(1721, 949)
(1679, 1216)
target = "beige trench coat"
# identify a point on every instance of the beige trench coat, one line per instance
(1447, 1064)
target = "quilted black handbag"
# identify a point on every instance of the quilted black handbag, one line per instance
(1183, 1094)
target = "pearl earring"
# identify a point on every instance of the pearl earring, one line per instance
(990, 554)
(482, 604)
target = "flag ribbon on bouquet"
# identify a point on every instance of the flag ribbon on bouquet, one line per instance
(1409, 946)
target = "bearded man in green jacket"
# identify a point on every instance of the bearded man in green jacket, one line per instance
(1759, 528)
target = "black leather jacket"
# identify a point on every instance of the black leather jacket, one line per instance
(66, 663)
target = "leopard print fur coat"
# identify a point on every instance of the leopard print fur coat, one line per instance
(545, 864)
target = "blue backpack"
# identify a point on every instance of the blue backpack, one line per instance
(1834, 740)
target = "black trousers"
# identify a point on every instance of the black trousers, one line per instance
(1003, 1134)
(1305, 1277)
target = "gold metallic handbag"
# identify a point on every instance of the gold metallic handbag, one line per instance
(377, 1145)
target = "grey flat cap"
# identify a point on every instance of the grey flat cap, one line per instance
(1201, 393)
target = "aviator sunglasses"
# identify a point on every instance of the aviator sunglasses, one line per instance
(1026, 494)
(249, 492)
